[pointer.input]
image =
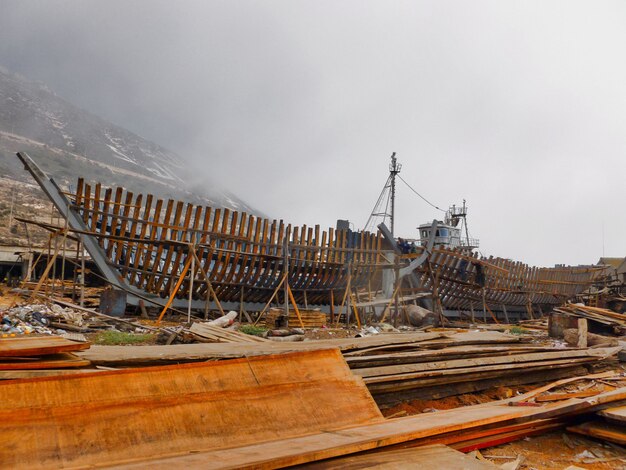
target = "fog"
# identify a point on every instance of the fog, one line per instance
(296, 107)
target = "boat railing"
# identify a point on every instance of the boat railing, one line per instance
(470, 242)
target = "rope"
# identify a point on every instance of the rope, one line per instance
(422, 197)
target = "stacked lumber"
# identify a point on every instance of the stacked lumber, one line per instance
(419, 457)
(466, 428)
(125, 356)
(397, 367)
(32, 354)
(310, 318)
(68, 290)
(173, 410)
(217, 334)
(600, 315)
(393, 376)
(254, 412)
(608, 426)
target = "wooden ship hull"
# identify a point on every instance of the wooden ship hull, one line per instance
(155, 249)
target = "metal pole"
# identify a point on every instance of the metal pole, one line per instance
(394, 169)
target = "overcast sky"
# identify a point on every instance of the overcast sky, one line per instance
(518, 107)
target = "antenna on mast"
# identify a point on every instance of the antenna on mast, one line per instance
(387, 196)
(394, 169)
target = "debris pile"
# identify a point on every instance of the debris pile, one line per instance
(466, 362)
(303, 318)
(42, 319)
(607, 425)
(596, 314)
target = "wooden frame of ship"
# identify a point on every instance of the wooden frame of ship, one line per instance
(169, 252)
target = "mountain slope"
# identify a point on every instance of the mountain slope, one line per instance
(69, 142)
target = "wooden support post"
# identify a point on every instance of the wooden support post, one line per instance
(241, 304)
(343, 302)
(332, 307)
(63, 263)
(529, 308)
(484, 306)
(472, 310)
(51, 262)
(356, 311)
(492, 314)
(74, 277)
(388, 306)
(142, 308)
(280, 284)
(49, 255)
(82, 273)
(506, 315)
(286, 289)
(582, 333)
(306, 302)
(207, 281)
(176, 287)
(295, 306)
(193, 270)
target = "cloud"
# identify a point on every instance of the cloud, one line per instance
(296, 106)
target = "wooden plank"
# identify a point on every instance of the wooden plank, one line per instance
(175, 409)
(141, 249)
(409, 380)
(30, 374)
(518, 360)
(37, 346)
(145, 277)
(169, 270)
(303, 449)
(120, 247)
(203, 329)
(608, 432)
(617, 414)
(451, 352)
(156, 253)
(179, 235)
(411, 458)
(566, 396)
(52, 361)
(112, 226)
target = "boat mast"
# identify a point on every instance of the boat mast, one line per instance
(465, 223)
(394, 169)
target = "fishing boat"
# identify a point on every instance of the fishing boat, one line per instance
(176, 254)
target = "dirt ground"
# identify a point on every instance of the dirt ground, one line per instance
(558, 450)
(425, 406)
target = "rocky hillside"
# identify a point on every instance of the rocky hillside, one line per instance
(68, 142)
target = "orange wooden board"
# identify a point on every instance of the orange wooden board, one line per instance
(52, 361)
(337, 442)
(126, 355)
(600, 430)
(416, 458)
(108, 417)
(38, 346)
(617, 414)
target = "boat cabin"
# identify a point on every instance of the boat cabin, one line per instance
(449, 231)
(446, 235)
